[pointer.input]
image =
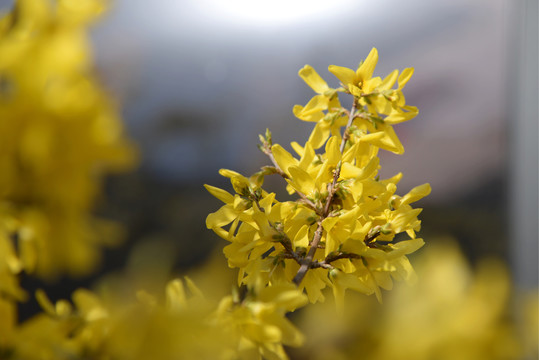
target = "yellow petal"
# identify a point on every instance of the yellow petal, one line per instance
(403, 220)
(45, 303)
(405, 271)
(175, 295)
(316, 105)
(365, 71)
(311, 77)
(407, 247)
(283, 158)
(405, 76)
(285, 296)
(195, 291)
(398, 116)
(385, 139)
(302, 237)
(301, 180)
(220, 194)
(267, 202)
(349, 171)
(416, 193)
(370, 85)
(372, 138)
(297, 148)
(319, 135)
(389, 80)
(345, 75)
(8, 315)
(333, 151)
(230, 174)
(383, 279)
(394, 179)
(329, 222)
(80, 11)
(342, 281)
(89, 305)
(315, 281)
(63, 308)
(391, 141)
(224, 216)
(334, 103)
(308, 156)
(314, 117)
(350, 216)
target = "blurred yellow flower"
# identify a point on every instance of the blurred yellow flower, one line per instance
(453, 312)
(59, 136)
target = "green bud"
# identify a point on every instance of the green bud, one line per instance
(386, 229)
(268, 137)
(333, 273)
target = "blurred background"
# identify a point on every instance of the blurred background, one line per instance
(197, 81)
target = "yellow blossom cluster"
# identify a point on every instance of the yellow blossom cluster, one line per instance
(59, 135)
(116, 326)
(455, 311)
(258, 323)
(123, 323)
(339, 232)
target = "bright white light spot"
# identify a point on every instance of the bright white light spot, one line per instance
(272, 12)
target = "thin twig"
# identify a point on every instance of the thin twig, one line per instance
(371, 238)
(340, 255)
(326, 263)
(307, 262)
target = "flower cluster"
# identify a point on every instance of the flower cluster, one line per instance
(257, 322)
(456, 311)
(59, 135)
(340, 231)
(118, 327)
(130, 322)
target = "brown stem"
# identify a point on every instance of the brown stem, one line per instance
(326, 263)
(371, 237)
(290, 253)
(340, 255)
(307, 262)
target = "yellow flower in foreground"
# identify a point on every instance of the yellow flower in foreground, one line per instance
(59, 136)
(453, 312)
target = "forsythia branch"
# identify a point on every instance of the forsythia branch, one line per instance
(306, 263)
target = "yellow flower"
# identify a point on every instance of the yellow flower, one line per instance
(339, 232)
(358, 82)
(259, 323)
(60, 135)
